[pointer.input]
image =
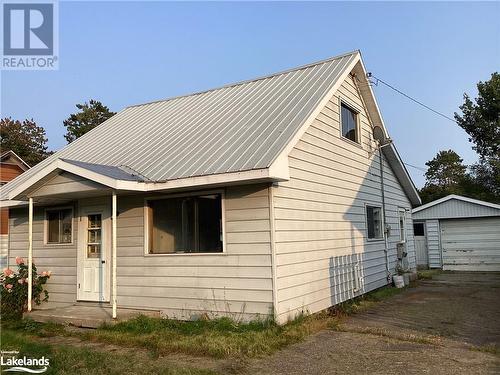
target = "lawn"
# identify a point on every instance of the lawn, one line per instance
(152, 339)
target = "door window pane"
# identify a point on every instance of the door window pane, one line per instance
(94, 236)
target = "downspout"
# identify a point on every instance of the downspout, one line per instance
(386, 229)
(273, 252)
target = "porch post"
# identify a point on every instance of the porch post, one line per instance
(30, 253)
(114, 251)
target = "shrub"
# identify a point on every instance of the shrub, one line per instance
(14, 289)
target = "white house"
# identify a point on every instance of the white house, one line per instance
(458, 233)
(262, 198)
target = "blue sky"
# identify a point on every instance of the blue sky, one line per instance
(124, 53)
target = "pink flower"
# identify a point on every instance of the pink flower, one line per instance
(21, 281)
(7, 271)
(19, 260)
(9, 286)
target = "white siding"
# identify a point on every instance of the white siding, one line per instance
(60, 259)
(433, 243)
(237, 283)
(321, 245)
(471, 244)
(455, 208)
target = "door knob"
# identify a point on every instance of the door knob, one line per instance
(103, 261)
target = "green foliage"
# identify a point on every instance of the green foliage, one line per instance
(481, 120)
(90, 115)
(14, 289)
(26, 139)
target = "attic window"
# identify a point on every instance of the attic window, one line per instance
(191, 224)
(349, 120)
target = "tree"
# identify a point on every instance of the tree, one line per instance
(446, 174)
(89, 116)
(26, 139)
(481, 120)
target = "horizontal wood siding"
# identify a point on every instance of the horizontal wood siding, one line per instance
(433, 243)
(322, 254)
(9, 171)
(237, 283)
(60, 259)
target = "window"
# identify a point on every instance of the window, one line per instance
(185, 225)
(374, 222)
(418, 229)
(59, 225)
(349, 119)
(94, 224)
(402, 225)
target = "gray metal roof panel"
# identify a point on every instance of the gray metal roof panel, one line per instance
(234, 128)
(116, 172)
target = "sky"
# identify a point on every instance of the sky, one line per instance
(125, 53)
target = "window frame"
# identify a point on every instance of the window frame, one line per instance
(405, 232)
(357, 111)
(221, 192)
(374, 239)
(46, 226)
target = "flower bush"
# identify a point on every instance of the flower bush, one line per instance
(14, 289)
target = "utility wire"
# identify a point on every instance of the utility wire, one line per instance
(414, 166)
(370, 75)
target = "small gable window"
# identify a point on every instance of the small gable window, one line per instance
(349, 119)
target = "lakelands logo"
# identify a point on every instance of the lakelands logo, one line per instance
(10, 360)
(29, 35)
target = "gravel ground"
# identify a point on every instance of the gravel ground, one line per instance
(447, 325)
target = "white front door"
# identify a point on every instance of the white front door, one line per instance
(93, 254)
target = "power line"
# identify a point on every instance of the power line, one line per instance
(414, 166)
(370, 75)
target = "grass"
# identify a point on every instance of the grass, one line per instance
(428, 274)
(488, 348)
(80, 360)
(217, 338)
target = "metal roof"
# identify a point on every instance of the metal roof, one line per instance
(234, 128)
(455, 206)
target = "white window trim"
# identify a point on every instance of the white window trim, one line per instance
(405, 234)
(46, 226)
(357, 110)
(377, 239)
(178, 195)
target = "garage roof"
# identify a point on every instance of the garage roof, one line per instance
(455, 206)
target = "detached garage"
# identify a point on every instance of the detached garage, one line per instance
(458, 233)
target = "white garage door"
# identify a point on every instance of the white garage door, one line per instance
(471, 244)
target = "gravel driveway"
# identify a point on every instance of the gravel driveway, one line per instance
(447, 325)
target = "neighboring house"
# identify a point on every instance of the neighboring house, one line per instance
(260, 198)
(11, 166)
(458, 233)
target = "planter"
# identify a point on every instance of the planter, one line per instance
(399, 281)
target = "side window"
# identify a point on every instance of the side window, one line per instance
(349, 120)
(59, 226)
(374, 222)
(402, 224)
